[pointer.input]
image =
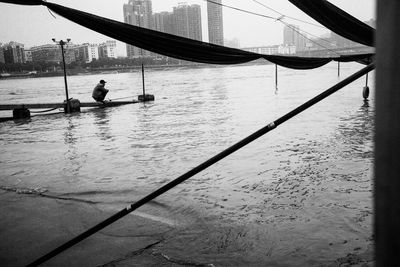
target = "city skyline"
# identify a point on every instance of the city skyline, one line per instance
(184, 21)
(294, 42)
(34, 25)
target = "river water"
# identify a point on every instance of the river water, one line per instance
(300, 195)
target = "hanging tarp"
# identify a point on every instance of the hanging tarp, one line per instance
(337, 20)
(175, 46)
(362, 59)
(23, 2)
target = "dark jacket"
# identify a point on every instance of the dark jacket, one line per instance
(99, 92)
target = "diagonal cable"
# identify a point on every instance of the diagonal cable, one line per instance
(286, 16)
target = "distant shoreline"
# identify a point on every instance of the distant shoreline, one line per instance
(110, 70)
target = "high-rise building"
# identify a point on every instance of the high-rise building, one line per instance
(184, 20)
(165, 22)
(14, 53)
(138, 13)
(293, 36)
(215, 23)
(195, 30)
(289, 34)
(188, 21)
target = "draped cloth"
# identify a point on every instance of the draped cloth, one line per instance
(180, 47)
(337, 20)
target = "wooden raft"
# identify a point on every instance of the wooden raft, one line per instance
(62, 105)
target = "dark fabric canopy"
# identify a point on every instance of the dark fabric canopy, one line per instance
(179, 47)
(337, 20)
(176, 46)
(24, 2)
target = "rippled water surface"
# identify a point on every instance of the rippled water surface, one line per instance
(298, 195)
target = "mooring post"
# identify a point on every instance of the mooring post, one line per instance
(145, 97)
(366, 88)
(144, 91)
(387, 132)
(21, 113)
(74, 105)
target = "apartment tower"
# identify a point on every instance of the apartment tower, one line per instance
(188, 21)
(292, 36)
(215, 23)
(138, 13)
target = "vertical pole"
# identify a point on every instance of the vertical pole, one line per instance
(276, 78)
(366, 80)
(387, 132)
(65, 75)
(144, 91)
(141, 57)
(338, 69)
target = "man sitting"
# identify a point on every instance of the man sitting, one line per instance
(99, 92)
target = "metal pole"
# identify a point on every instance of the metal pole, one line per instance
(141, 56)
(338, 69)
(144, 93)
(65, 75)
(276, 78)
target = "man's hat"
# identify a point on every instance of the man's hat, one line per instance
(102, 81)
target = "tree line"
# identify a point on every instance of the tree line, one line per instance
(46, 66)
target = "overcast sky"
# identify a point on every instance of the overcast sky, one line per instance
(34, 25)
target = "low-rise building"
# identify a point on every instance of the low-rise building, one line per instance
(52, 53)
(28, 55)
(14, 53)
(86, 52)
(271, 50)
(108, 49)
(287, 49)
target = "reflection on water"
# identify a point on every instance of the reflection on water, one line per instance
(74, 161)
(356, 131)
(69, 133)
(102, 121)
